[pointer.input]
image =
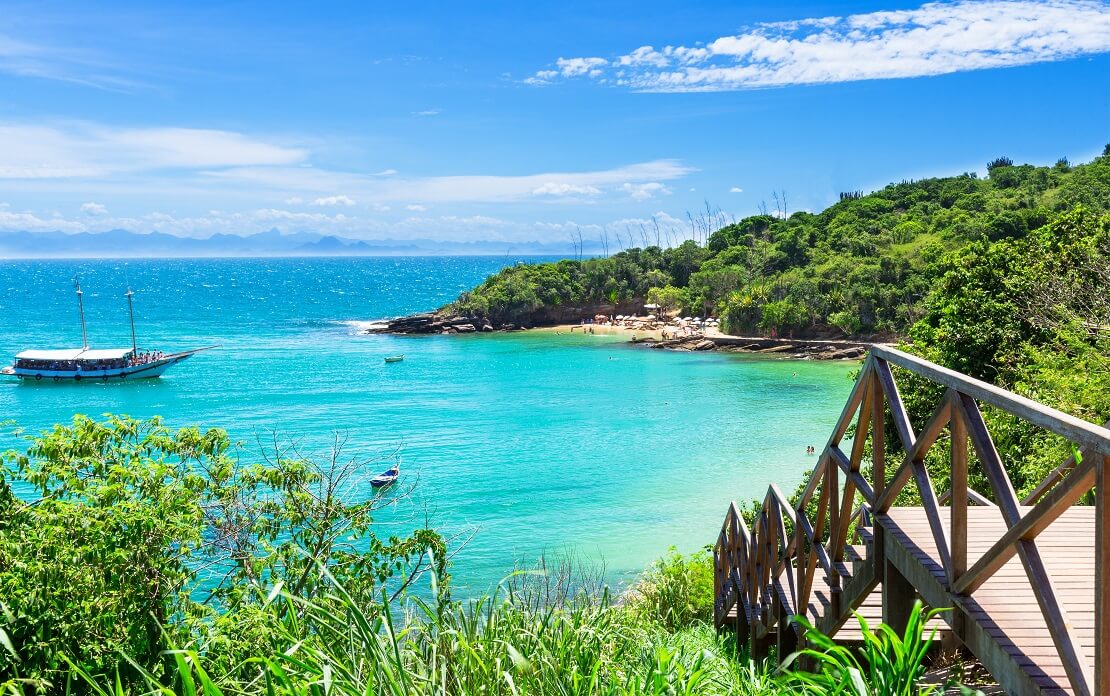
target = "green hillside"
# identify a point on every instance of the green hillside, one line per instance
(862, 267)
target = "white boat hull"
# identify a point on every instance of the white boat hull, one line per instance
(149, 370)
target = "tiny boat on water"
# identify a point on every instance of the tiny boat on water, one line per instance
(395, 358)
(84, 363)
(387, 477)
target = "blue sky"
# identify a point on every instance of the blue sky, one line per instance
(520, 121)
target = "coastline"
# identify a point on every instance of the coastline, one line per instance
(709, 340)
(713, 340)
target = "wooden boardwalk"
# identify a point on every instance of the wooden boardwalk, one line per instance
(1026, 582)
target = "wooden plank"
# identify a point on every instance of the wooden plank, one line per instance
(915, 453)
(861, 484)
(973, 496)
(1102, 576)
(932, 511)
(1047, 511)
(1079, 672)
(1010, 673)
(878, 438)
(957, 524)
(902, 424)
(854, 400)
(1067, 426)
(1067, 644)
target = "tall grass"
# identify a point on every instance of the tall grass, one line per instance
(494, 645)
(506, 643)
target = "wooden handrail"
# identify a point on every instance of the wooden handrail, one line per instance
(1067, 426)
(784, 545)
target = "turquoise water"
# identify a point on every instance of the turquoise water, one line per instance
(533, 442)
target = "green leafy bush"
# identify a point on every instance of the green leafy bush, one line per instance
(676, 592)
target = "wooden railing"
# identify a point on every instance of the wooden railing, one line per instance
(767, 573)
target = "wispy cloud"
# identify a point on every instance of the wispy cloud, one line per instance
(736, 189)
(91, 208)
(95, 160)
(934, 39)
(28, 59)
(87, 150)
(427, 112)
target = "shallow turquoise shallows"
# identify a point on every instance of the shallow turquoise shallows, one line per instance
(533, 442)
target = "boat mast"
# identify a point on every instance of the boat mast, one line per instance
(131, 311)
(81, 308)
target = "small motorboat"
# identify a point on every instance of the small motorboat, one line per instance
(395, 358)
(386, 478)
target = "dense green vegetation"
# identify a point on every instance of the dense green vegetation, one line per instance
(155, 561)
(863, 266)
(1031, 314)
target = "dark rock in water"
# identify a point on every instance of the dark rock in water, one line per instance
(705, 345)
(465, 328)
(844, 354)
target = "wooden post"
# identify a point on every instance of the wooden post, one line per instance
(898, 598)
(743, 630)
(787, 635)
(832, 485)
(957, 528)
(1102, 577)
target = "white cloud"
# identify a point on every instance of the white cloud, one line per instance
(295, 200)
(570, 67)
(91, 208)
(29, 222)
(416, 207)
(427, 112)
(934, 39)
(552, 188)
(385, 172)
(642, 192)
(333, 200)
(736, 189)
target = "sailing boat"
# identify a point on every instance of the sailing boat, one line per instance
(86, 364)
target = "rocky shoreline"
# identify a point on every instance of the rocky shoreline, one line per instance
(783, 347)
(808, 349)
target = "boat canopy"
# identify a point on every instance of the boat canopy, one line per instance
(74, 354)
(105, 354)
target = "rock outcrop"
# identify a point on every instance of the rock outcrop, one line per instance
(435, 323)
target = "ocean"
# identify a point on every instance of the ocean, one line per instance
(525, 443)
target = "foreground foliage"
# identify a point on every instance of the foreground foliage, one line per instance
(139, 560)
(127, 535)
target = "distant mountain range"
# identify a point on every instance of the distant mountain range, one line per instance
(126, 244)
